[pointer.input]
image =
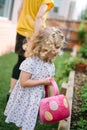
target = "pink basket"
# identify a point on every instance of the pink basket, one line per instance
(55, 108)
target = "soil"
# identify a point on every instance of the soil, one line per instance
(80, 80)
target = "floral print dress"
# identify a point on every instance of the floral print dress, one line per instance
(23, 105)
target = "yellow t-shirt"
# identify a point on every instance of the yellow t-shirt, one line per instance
(25, 26)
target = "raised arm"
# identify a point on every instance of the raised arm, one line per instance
(40, 18)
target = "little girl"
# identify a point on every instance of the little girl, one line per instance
(36, 70)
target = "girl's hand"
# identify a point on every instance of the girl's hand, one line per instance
(47, 81)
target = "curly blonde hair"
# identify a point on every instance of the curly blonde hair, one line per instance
(47, 40)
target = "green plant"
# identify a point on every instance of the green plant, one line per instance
(82, 38)
(61, 72)
(83, 14)
(83, 50)
(82, 122)
(81, 33)
(83, 108)
(71, 63)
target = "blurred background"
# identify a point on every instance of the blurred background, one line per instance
(66, 14)
(70, 9)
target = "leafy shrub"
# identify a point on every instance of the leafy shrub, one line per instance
(71, 63)
(83, 50)
(81, 33)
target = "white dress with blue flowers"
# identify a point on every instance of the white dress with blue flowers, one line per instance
(23, 105)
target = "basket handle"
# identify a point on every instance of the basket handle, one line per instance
(56, 88)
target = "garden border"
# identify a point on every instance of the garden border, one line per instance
(67, 89)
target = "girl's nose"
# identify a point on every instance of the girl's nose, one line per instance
(60, 52)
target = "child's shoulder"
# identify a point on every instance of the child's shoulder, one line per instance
(28, 62)
(36, 60)
(33, 59)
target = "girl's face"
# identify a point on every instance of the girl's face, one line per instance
(55, 52)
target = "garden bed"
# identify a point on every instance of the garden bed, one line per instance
(78, 106)
(79, 82)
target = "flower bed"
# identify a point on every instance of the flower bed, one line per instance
(79, 108)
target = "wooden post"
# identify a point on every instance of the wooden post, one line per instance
(65, 124)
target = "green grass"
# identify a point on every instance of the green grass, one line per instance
(6, 64)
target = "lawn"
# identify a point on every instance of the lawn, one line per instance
(6, 64)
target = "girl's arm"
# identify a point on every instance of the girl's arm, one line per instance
(25, 80)
(39, 20)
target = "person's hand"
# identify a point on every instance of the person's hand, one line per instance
(33, 37)
(24, 46)
(47, 81)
